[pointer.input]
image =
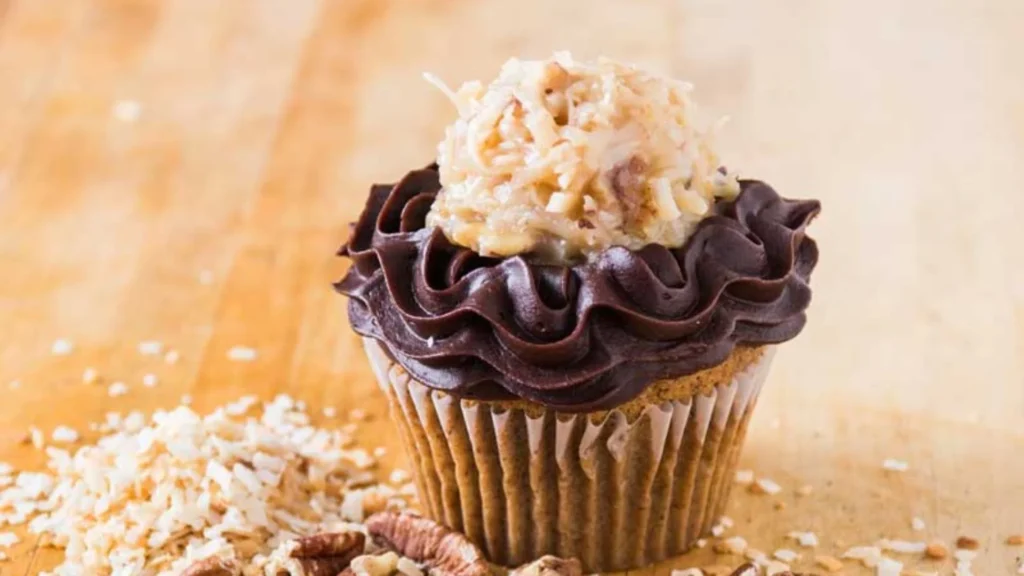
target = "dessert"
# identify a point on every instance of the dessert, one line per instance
(572, 313)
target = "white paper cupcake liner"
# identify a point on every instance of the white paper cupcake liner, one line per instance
(617, 494)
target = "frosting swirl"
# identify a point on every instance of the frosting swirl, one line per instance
(584, 337)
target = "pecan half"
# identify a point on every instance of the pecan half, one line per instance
(328, 553)
(444, 551)
(550, 566)
(213, 567)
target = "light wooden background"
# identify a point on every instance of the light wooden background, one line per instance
(261, 124)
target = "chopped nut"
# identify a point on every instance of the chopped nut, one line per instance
(550, 566)
(408, 567)
(213, 567)
(328, 553)
(374, 502)
(374, 565)
(967, 543)
(1015, 540)
(936, 551)
(747, 569)
(422, 540)
(829, 563)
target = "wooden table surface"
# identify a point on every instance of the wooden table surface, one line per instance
(183, 171)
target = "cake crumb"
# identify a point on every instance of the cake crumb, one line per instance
(688, 572)
(805, 539)
(358, 415)
(172, 357)
(14, 384)
(936, 551)
(780, 505)
(1015, 540)
(61, 347)
(894, 465)
(89, 376)
(917, 524)
(702, 542)
(8, 539)
(186, 400)
(717, 570)
(399, 476)
(967, 543)
(329, 412)
(829, 563)
(205, 277)
(150, 347)
(805, 490)
(380, 452)
(242, 354)
(745, 477)
(149, 380)
(117, 389)
(64, 435)
(765, 486)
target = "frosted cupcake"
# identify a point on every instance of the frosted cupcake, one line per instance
(573, 311)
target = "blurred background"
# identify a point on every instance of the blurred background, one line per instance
(184, 170)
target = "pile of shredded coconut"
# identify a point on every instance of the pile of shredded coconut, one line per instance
(563, 159)
(152, 498)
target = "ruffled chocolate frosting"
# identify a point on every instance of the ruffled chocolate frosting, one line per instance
(575, 338)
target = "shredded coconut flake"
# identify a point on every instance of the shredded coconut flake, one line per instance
(117, 389)
(894, 465)
(242, 354)
(64, 435)
(768, 486)
(62, 347)
(745, 477)
(805, 539)
(150, 347)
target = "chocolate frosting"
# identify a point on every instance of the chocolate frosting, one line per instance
(582, 337)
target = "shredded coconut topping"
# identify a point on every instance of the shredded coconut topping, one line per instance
(561, 158)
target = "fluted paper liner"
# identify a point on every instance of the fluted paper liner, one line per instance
(618, 494)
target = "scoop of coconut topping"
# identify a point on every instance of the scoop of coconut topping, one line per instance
(562, 159)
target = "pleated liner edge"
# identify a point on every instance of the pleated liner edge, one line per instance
(618, 495)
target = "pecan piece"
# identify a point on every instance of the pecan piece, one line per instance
(550, 566)
(213, 567)
(328, 553)
(444, 551)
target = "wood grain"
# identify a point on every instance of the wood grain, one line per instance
(261, 124)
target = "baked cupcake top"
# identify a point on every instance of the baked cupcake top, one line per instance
(480, 280)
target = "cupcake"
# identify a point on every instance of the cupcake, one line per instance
(572, 313)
